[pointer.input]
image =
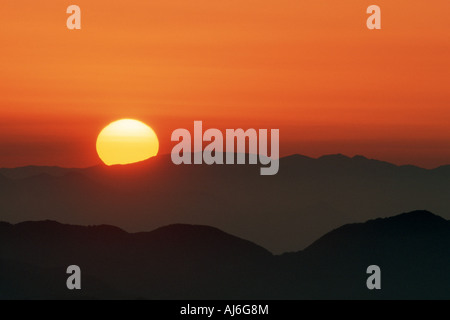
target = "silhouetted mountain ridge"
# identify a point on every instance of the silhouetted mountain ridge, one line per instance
(286, 212)
(174, 235)
(411, 250)
(199, 262)
(173, 261)
(412, 225)
(51, 226)
(29, 171)
(194, 236)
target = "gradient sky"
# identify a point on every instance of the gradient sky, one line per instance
(310, 68)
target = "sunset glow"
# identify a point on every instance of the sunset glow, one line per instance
(310, 68)
(126, 141)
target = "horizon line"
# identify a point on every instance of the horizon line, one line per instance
(280, 158)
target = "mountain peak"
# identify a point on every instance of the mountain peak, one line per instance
(359, 157)
(410, 225)
(203, 238)
(55, 225)
(177, 227)
(337, 156)
(50, 223)
(418, 216)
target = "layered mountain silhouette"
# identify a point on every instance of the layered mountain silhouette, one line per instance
(285, 212)
(177, 261)
(199, 262)
(411, 249)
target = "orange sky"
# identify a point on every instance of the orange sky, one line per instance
(310, 68)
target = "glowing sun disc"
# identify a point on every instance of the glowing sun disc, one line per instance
(126, 141)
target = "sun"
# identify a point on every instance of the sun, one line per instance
(126, 141)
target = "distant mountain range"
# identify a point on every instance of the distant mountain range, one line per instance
(200, 262)
(285, 212)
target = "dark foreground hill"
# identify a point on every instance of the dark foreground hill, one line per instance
(286, 212)
(198, 262)
(177, 261)
(412, 250)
